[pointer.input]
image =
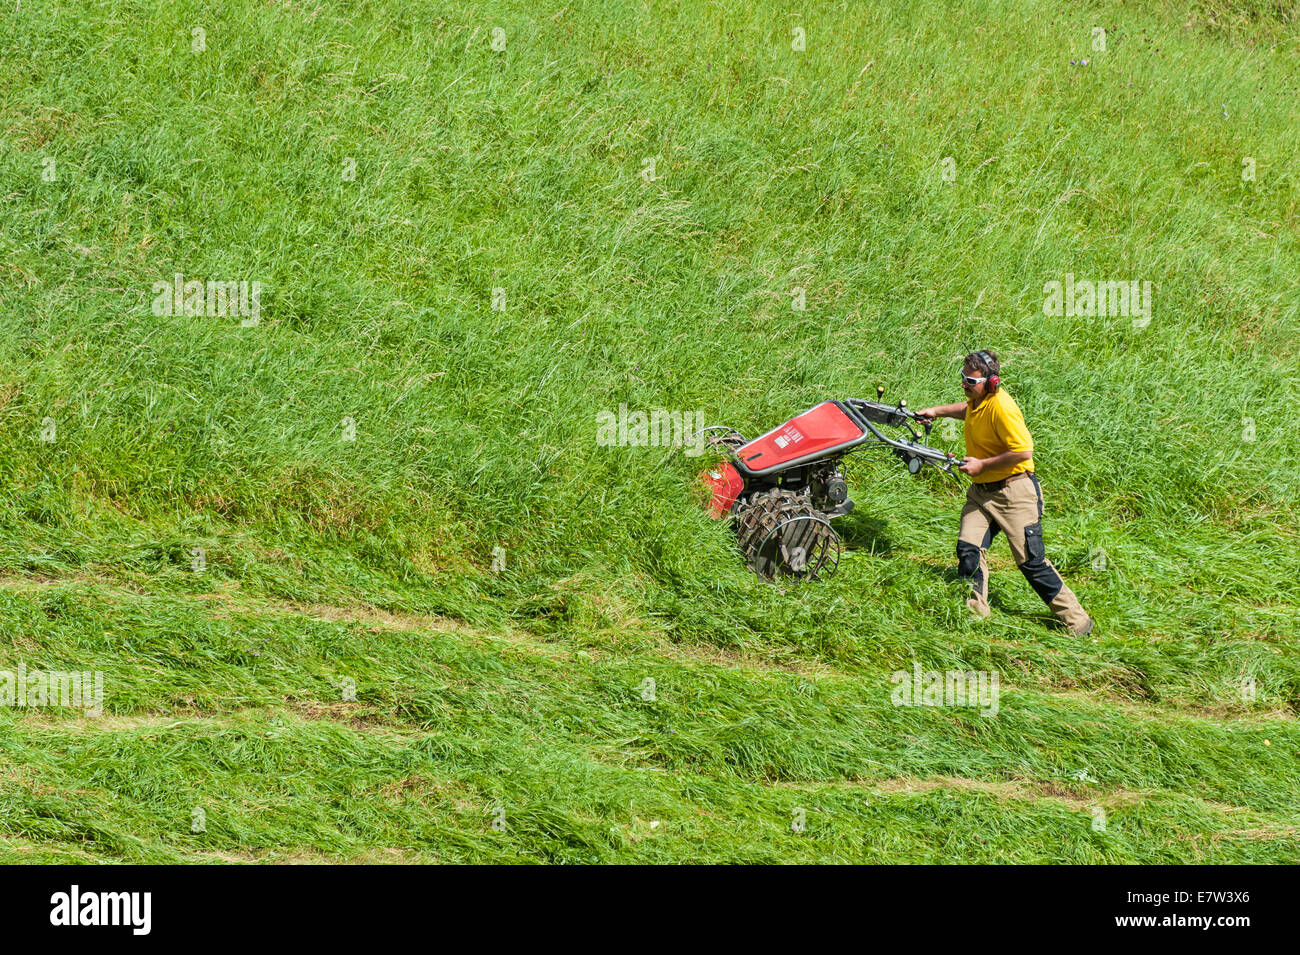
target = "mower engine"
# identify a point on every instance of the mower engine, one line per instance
(783, 488)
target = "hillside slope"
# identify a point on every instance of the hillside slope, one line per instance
(363, 583)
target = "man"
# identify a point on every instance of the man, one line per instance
(1004, 494)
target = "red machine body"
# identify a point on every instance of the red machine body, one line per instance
(818, 432)
(723, 485)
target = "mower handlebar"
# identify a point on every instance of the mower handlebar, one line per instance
(880, 413)
(873, 413)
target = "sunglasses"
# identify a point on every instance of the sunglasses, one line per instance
(970, 382)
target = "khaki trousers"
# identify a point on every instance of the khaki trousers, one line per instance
(1017, 510)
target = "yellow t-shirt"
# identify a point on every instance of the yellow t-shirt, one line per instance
(994, 427)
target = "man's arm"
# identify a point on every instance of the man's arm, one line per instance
(957, 411)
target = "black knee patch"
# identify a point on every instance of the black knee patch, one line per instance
(968, 562)
(1047, 583)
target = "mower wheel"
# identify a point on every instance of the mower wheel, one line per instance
(783, 536)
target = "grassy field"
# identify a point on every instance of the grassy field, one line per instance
(364, 586)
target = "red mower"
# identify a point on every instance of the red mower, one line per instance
(783, 489)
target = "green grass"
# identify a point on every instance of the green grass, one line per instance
(1170, 448)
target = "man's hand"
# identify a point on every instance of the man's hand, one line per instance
(927, 414)
(971, 466)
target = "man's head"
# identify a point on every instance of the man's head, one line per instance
(980, 369)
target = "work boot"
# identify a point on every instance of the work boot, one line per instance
(978, 607)
(1084, 630)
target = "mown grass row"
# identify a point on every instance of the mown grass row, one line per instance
(238, 714)
(110, 796)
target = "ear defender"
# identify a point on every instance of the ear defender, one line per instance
(994, 380)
